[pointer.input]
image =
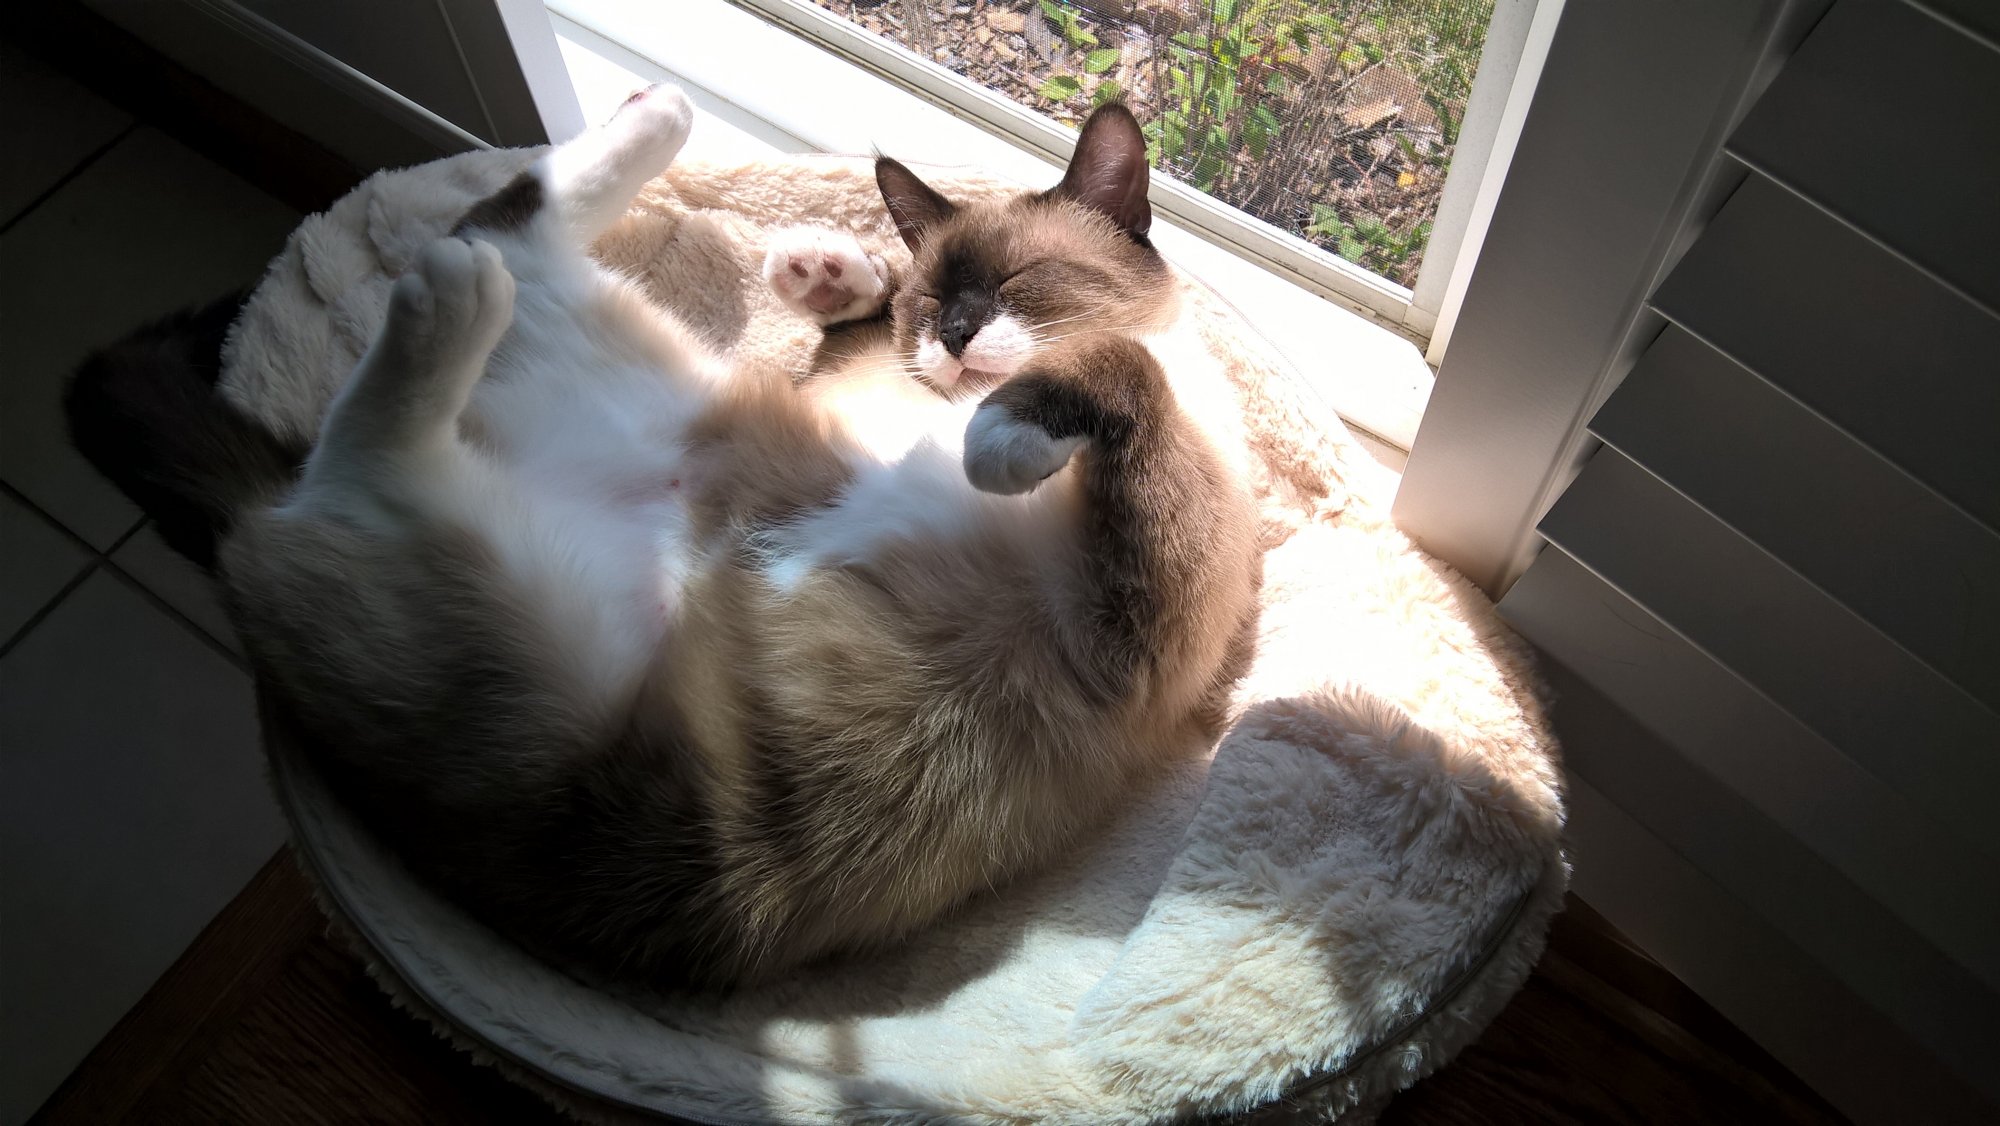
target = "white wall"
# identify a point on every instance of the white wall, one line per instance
(409, 47)
(383, 83)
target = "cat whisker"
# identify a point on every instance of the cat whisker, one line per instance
(1112, 328)
(1100, 307)
(908, 363)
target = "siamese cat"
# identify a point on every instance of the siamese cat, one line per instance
(691, 670)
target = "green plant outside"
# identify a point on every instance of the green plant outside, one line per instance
(1255, 100)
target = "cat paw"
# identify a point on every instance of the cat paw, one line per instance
(457, 298)
(825, 275)
(1006, 455)
(656, 120)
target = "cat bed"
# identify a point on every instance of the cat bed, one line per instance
(1321, 912)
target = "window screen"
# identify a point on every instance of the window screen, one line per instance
(1331, 119)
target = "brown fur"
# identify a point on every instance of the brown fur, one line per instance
(508, 209)
(824, 768)
(1051, 258)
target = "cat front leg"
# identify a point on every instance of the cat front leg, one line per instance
(1168, 542)
(1008, 453)
(1105, 393)
(824, 275)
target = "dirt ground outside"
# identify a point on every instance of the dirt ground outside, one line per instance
(1332, 119)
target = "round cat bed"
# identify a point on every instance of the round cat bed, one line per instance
(1321, 912)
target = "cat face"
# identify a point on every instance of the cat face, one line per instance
(993, 284)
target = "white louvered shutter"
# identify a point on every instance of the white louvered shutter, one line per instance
(1774, 591)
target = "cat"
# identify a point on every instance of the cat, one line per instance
(682, 669)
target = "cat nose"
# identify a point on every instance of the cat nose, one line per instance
(954, 331)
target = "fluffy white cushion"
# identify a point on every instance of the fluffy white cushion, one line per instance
(1323, 912)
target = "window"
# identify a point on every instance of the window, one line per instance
(1332, 120)
(804, 75)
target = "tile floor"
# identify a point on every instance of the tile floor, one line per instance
(132, 801)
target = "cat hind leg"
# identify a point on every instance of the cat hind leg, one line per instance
(544, 217)
(592, 178)
(825, 275)
(445, 317)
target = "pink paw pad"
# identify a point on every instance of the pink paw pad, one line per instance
(819, 287)
(638, 95)
(823, 273)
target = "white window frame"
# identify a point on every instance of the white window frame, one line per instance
(530, 102)
(1415, 312)
(1367, 365)
(777, 86)
(1610, 178)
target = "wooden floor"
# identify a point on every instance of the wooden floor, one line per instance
(266, 1020)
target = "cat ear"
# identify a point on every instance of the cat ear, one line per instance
(1108, 172)
(912, 203)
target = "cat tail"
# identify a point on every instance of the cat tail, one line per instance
(149, 414)
(1172, 568)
